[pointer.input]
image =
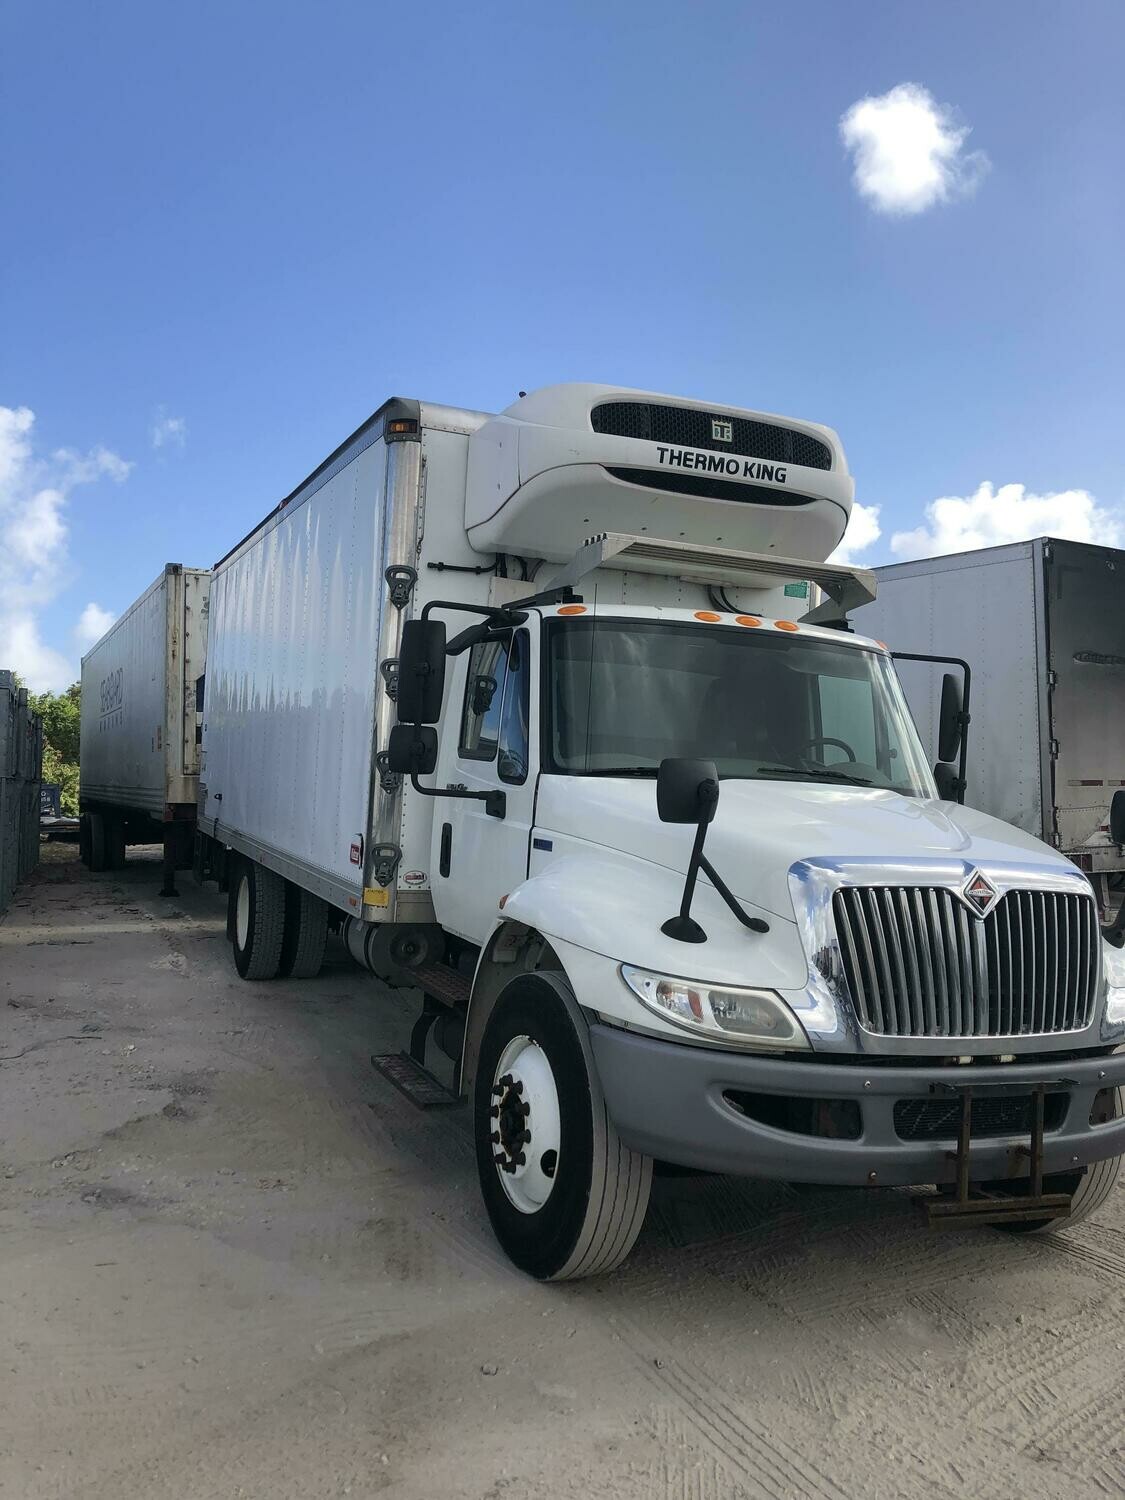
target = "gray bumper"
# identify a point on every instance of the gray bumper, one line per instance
(667, 1101)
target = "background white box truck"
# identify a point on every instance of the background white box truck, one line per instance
(140, 728)
(519, 703)
(1042, 625)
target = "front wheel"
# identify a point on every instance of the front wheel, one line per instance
(566, 1198)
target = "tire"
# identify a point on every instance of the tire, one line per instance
(258, 910)
(99, 845)
(1090, 1188)
(306, 933)
(115, 843)
(84, 839)
(579, 1214)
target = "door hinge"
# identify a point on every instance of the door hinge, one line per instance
(1053, 749)
(1052, 678)
(389, 671)
(384, 862)
(389, 780)
(401, 579)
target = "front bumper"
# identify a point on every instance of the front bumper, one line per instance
(667, 1100)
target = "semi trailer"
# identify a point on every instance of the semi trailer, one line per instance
(1042, 625)
(538, 710)
(140, 728)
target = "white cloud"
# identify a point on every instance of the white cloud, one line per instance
(168, 432)
(909, 151)
(863, 532)
(93, 623)
(34, 566)
(1010, 514)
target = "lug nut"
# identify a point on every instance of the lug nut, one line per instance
(495, 1137)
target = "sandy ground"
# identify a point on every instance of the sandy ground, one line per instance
(235, 1262)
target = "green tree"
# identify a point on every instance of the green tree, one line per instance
(61, 714)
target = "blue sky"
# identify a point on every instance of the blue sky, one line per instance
(232, 230)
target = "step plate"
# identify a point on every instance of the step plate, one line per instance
(410, 1078)
(443, 983)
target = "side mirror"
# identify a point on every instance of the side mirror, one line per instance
(1117, 817)
(421, 672)
(412, 749)
(949, 720)
(687, 791)
(946, 778)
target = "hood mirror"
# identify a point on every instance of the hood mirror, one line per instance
(687, 791)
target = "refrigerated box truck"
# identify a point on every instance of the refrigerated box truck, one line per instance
(138, 771)
(1042, 626)
(533, 708)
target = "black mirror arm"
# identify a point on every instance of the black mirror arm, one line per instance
(755, 924)
(683, 926)
(495, 803)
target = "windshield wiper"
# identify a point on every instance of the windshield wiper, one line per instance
(822, 775)
(622, 771)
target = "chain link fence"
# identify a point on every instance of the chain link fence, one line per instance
(21, 766)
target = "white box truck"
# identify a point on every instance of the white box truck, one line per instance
(1042, 625)
(141, 724)
(532, 707)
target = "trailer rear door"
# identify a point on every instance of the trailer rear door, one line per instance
(1085, 595)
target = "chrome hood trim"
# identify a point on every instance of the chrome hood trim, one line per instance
(825, 1006)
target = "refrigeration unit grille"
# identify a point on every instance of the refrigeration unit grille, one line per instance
(919, 963)
(692, 428)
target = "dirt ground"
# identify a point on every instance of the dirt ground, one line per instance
(234, 1261)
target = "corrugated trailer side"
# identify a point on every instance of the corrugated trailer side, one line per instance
(139, 755)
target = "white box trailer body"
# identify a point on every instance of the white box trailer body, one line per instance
(1042, 626)
(467, 684)
(140, 726)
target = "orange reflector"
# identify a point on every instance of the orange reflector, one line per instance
(883, 645)
(747, 620)
(786, 625)
(707, 614)
(572, 609)
(402, 424)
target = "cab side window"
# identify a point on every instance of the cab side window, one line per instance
(495, 716)
(484, 700)
(515, 715)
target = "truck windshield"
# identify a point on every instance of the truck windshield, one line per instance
(623, 694)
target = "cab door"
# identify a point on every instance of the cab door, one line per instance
(490, 743)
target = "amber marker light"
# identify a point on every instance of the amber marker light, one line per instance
(708, 615)
(786, 625)
(747, 620)
(572, 609)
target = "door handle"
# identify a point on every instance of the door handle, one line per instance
(446, 849)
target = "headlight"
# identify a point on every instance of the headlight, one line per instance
(749, 1018)
(1114, 960)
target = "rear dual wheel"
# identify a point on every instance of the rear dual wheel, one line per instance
(101, 840)
(277, 929)
(566, 1198)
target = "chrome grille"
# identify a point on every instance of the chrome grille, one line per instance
(918, 962)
